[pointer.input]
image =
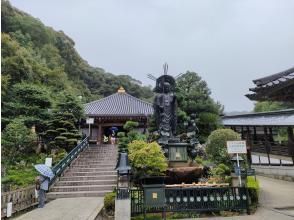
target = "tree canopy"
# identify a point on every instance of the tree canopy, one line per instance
(194, 97)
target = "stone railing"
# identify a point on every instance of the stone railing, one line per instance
(21, 199)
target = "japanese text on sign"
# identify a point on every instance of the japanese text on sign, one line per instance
(236, 147)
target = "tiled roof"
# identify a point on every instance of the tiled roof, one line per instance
(275, 78)
(264, 86)
(118, 104)
(274, 118)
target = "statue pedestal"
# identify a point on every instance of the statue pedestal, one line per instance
(179, 175)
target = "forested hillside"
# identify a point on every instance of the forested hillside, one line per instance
(44, 83)
(36, 54)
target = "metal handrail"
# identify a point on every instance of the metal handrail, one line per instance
(66, 161)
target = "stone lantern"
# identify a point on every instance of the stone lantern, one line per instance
(123, 176)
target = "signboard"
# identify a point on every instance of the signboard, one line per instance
(48, 161)
(236, 147)
(90, 121)
(9, 209)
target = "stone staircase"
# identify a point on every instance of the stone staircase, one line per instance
(91, 174)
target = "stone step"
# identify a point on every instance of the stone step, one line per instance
(88, 178)
(96, 173)
(98, 156)
(83, 163)
(83, 182)
(112, 166)
(82, 188)
(95, 162)
(100, 159)
(56, 195)
(78, 169)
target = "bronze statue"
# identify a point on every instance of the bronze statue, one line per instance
(165, 105)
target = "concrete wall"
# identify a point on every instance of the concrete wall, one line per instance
(279, 172)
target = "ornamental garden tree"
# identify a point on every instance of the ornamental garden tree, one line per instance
(147, 159)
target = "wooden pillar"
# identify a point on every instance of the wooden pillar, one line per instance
(271, 138)
(249, 145)
(267, 145)
(290, 142)
(254, 134)
(242, 133)
(99, 138)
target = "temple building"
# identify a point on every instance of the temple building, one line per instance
(114, 111)
(269, 135)
(276, 87)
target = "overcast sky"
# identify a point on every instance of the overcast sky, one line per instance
(228, 43)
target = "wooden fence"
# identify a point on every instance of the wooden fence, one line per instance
(21, 199)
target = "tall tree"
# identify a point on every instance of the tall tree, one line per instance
(194, 97)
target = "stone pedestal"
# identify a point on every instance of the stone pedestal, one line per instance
(235, 180)
(122, 209)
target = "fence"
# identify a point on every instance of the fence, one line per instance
(24, 198)
(21, 199)
(194, 199)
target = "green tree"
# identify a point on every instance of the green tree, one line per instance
(17, 140)
(267, 106)
(194, 97)
(216, 148)
(147, 158)
(29, 101)
(62, 129)
(130, 135)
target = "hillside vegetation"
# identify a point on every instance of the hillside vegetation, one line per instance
(44, 84)
(36, 54)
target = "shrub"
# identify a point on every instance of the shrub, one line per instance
(61, 130)
(68, 134)
(216, 148)
(147, 158)
(130, 125)
(253, 189)
(131, 135)
(221, 174)
(199, 160)
(109, 201)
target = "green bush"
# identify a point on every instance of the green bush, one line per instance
(147, 158)
(130, 125)
(253, 189)
(109, 201)
(216, 148)
(60, 130)
(68, 134)
(199, 160)
(129, 136)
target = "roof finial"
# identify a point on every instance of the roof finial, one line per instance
(121, 90)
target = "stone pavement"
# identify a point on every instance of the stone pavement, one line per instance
(273, 194)
(82, 208)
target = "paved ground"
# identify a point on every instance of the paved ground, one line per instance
(82, 208)
(273, 194)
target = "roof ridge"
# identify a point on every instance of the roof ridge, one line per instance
(140, 100)
(289, 110)
(101, 99)
(273, 77)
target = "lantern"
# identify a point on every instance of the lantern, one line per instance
(123, 176)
